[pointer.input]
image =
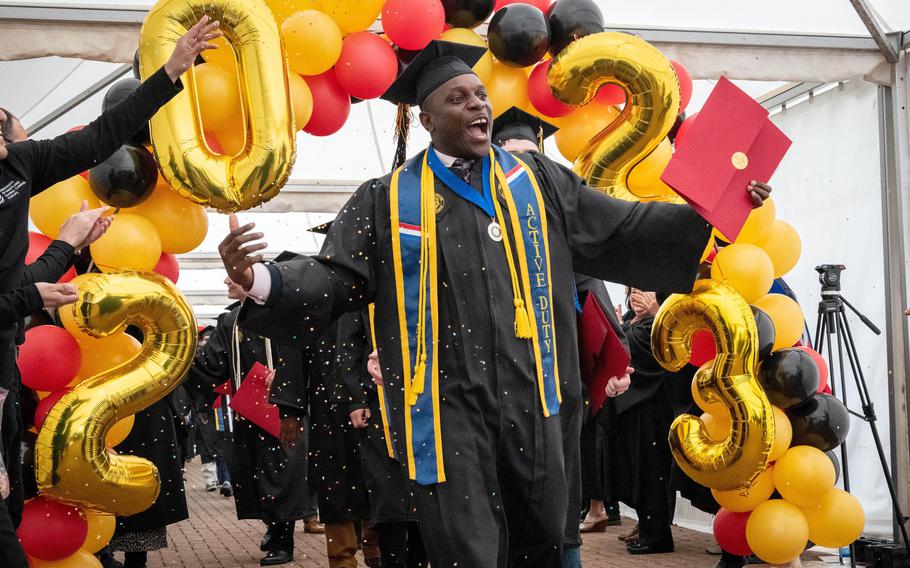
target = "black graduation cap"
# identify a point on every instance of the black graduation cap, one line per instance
(518, 124)
(322, 229)
(434, 65)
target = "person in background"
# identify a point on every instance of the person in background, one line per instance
(265, 471)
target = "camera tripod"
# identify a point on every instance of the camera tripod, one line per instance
(832, 321)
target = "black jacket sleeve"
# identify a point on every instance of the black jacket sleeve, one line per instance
(16, 305)
(212, 363)
(50, 266)
(51, 161)
(353, 345)
(289, 387)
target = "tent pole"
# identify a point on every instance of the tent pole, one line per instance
(865, 13)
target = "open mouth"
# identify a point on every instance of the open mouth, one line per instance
(479, 128)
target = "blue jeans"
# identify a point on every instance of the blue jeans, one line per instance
(571, 558)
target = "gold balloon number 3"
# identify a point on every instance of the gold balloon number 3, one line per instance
(262, 167)
(72, 462)
(719, 464)
(652, 103)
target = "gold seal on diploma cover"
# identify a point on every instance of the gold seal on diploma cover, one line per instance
(740, 160)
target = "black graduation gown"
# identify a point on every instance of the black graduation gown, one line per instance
(386, 481)
(505, 499)
(265, 476)
(153, 437)
(335, 465)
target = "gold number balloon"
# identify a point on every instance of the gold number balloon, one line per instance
(256, 173)
(652, 103)
(719, 464)
(72, 462)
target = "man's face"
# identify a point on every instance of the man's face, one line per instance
(234, 290)
(10, 131)
(459, 117)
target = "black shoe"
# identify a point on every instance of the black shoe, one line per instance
(276, 557)
(638, 547)
(265, 542)
(227, 490)
(731, 562)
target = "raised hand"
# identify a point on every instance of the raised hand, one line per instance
(759, 192)
(237, 256)
(85, 227)
(193, 42)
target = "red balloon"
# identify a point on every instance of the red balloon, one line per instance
(331, 104)
(49, 358)
(730, 532)
(413, 24)
(703, 348)
(540, 95)
(685, 85)
(168, 267)
(51, 530)
(37, 244)
(45, 404)
(683, 129)
(822, 368)
(610, 94)
(367, 66)
(544, 5)
(214, 144)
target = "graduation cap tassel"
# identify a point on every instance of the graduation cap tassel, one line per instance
(402, 129)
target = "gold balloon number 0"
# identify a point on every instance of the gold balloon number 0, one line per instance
(736, 461)
(72, 462)
(652, 103)
(256, 173)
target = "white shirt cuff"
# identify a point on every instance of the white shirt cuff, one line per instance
(262, 284)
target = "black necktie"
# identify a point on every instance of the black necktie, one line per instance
(462, 169)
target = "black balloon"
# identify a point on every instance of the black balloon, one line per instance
(832, 455)
(572, 19)
(822, 422)
(680, 118)
(766, 333)
(115, 95)
(519, 35)
(126, 179)
(467, 13)
(789, 377)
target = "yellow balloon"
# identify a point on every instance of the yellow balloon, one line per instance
(72, 461)
(50, 208)
(101, 354)
(746, 268)
(507, 87)
(313, 42)
(714, 406)
(119, 431)
(659, 191)
(804, 475)
(646, 173)
(81, 559)
(131, 242)
(301, 100)
(284, 9)
(100, 530)
(577, 129)
(219, 96)
(182, 224)
(758, 225)
(352, 15)
(777, 531)
(784, 246)
(783, 434)
(744, 500)
(836, 521)
(222, 57)
(232, 138)
(699, 446)
(787, 317)
(484, 67)
(241, 177)
(67, 315)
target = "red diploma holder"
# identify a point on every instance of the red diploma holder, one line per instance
(251, 400)
(731, 143)
(603, 356)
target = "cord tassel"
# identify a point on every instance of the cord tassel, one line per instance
(402, 131)
(522, 324)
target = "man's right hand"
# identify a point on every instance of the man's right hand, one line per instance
(360, 418)
(374, 369)
(85, 227)
(56, 295)
(237, 255)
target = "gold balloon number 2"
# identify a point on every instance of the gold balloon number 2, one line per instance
(735, 462)
(262, 167)
(652, 103)
(72, 462)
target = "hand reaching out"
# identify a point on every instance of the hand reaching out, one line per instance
(237, 255)
(85, 227)
(759, 192)
(56, 295)
(193, 42)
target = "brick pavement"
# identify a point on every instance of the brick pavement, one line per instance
(214, 538)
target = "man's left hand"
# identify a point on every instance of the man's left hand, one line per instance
(291, 427)
(618, 385)
(759, 192)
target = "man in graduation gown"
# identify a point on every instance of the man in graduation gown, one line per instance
(265, 471)
(465, 327)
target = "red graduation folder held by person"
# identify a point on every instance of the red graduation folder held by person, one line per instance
(730, 143)
(603, 355)
(251, 400)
